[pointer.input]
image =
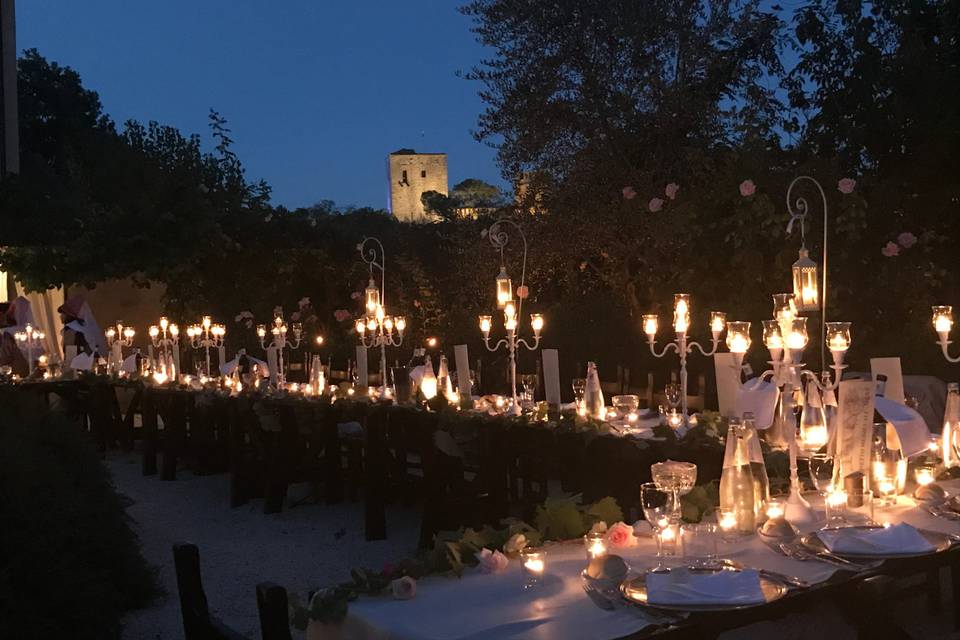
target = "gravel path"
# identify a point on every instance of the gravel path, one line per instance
(315, 545)
(307, 546)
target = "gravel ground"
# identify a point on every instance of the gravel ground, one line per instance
(316, 544)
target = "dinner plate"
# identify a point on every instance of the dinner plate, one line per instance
(635, 590)
(941, 542)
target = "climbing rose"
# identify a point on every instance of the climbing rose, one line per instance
(655, 205)
(341, 315)
(906, 239)
(846, 185)
(892, 249)
(747, 188)
(629, 193)
(671, 190)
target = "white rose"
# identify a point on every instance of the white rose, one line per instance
(515, 544)
(403, 588)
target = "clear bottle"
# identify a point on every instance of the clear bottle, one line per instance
(444, 383)
(737, 486)
(950, 443)
(593, 394)
(814, 433)
(758, 467)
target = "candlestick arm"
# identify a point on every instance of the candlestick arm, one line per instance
(945, 348)
(713, 350)
(666, 349)
(527, 346)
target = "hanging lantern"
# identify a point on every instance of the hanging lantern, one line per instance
(504, 288)
(805, 283)
(372, 295)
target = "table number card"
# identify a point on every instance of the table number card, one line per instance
(462, 359)
(363, 378)
(855, 423)
(551, 377)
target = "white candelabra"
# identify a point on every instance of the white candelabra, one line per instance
(119, 337)
(31, 339)
(943, 324)
(279, 341)
(738, 340)
(377, 329)
(511, 310)
(206, 336)
(166, 338)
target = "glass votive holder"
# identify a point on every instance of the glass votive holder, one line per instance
(885, 491)
(668, 537)
(699, 542)
(925, 474)
(533, 564)
(862, 514)
(727, 525)
(836, 507)
(775, 508)
(596, 545)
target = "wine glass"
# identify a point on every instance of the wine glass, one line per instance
(655, 503)
(672, 393)
(529, 382)
(626, 404)
(579, 387)
(821, 472)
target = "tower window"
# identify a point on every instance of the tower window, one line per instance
(404, 178)
(423, 173)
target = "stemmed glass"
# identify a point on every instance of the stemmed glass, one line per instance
(529, 382)
(579, 387)
(675, 477)
(821, 472)
(672, 393)
(656, 504)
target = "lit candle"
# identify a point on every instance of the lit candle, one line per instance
(836, 499)
(728, 521)
(775, 509)
(718, 320)
(924, 475)
(814, 436)
(596, 545)
(650, 325)
(838, 343)
(536, 322)
(534, 565)
(943, 319)
(796, 341)
(633, 416)
(681, 313)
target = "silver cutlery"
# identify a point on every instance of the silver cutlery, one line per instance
(610, 600)
(791, 581)
(796, 551)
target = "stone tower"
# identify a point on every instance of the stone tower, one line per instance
(410, 174)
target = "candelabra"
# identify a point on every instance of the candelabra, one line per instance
(280, 341)
(31, 339)
(206, 336)
(376, 321)
(738, 340)
(118, 337)
(943, 324)
(511, 311)
(166, 338)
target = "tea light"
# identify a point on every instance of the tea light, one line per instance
(775, 509)
(674, 419)
(887, 489)
(500, 402)
(533, 564)
(667, 538)
(727, 521)
(633, 416)
(814, 437)
(596, 545)
(611, 414)
(836, 499)
(836, 503)
(924, 475)
(582, 410)
(350, 391)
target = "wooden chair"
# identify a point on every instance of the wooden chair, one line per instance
(645, 393)
(274, 616)
(611, 389)
(198, 624)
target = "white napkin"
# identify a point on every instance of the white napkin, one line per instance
(130, 364)
(83, 362)
(760, 398)
(901, 538)
(910, 426)
(723, 587)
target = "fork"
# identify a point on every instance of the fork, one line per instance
(795, 551)
(611, 602)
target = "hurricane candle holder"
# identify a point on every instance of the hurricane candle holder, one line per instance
(377, 329)
(943, 324)
(166, 338)
(511, 310)
(118, 337)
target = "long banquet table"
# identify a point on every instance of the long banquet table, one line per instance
(495, 606)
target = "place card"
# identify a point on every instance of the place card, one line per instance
(728, 382)
(855, 424)
(462, 359)
(363, 377)
(551, 377)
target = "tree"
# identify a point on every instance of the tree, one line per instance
(476, 193)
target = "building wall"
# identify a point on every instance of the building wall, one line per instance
(410, 175)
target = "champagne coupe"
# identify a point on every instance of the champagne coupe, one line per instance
(675, 477)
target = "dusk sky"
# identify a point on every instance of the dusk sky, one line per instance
(317, 93)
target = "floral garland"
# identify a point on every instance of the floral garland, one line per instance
(488, 548)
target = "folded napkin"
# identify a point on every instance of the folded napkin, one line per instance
(678, 588)
(130, 364)
(759, 398)
(900, 538)
(83, 362)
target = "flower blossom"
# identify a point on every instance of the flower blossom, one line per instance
(906, 239)
(629, 193)
(620, 535)
(891, 250)
(403, 588)
(747, 188)
(492, 561)
(846, 185)
(655, 205)
(671, 191)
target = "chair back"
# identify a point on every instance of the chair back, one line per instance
(645, 393)
(274, 616)
(193, 601)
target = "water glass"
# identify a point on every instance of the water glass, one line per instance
(821, 472)
(672, 392)
(626, 404)
(699, 542)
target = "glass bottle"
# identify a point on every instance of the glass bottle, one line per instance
(593, 394)
(737, 487)
(950, 444)
(814, 434)
(758, 467)
(889, 465)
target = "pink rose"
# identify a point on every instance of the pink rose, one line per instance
(629, 193)
(492, 561)
(655, 205)
(671, 191)
(620, 535)
(906, 239)
(403, 588)
(523, 292)
(892, 249)
(747, 188)
(356, 295)
(341, 315)
(846, 185)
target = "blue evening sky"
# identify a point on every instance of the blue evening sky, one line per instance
(317, 92)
